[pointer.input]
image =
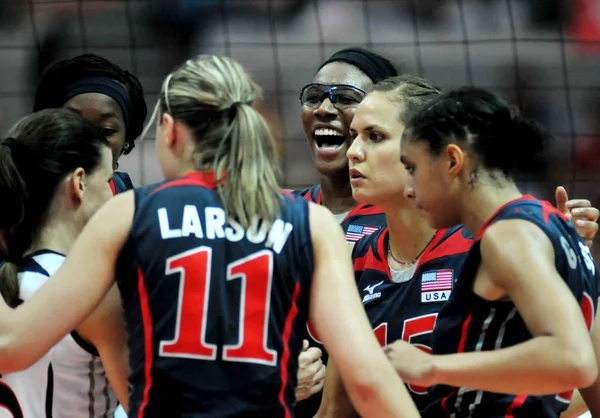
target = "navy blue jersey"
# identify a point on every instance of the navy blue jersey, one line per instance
(405, 305)
(121, 182)
(363, 220)
(214, 312)
(469, 323)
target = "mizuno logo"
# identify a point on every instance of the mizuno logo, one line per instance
(372, 287)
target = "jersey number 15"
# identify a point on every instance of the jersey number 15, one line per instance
(411, 328)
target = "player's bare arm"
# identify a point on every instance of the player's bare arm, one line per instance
(517, 264)
(83, 280)
(105, 330)
(335, 402)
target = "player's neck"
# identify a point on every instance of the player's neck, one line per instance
(409, 234)
(482, 202)
(57, 235)
(336, 193)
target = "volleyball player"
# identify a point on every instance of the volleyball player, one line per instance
(54, 174)
(105, 94)
(113, 100)
(394, 267)
(512, 339)
(328, 105)
(202, 338)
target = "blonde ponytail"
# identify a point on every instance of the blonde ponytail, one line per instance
(214, 97)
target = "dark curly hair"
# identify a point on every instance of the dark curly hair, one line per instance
(57, 77)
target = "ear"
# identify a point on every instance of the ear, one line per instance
(169, 132)
(76, 185)
(456, 159)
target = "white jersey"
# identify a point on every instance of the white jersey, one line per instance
(80, 385)
(24, 394)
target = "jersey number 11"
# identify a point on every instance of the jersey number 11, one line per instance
(194, 272)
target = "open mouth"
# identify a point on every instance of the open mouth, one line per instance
(356, 175)
(328, 138)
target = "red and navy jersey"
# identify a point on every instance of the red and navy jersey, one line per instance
(361, 221)
(121, 182)
(404, 305)
(215, 313)
(469, 323)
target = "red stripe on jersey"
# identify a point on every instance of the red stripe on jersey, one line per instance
(548, 209)
(113, 189)
(308, 196)
(287, 332)
(445, 402)
(452, 245)
(288, 194)
(464, 333)
(370, 262)
(147, 321)
(362, 209)
(382, 264)
(360, 263)
(202, 179)
(461, 348)
(489, 221)
(517, 403)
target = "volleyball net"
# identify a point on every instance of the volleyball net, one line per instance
(542, 55)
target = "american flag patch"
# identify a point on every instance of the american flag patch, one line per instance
(436, 280)
(356, 232)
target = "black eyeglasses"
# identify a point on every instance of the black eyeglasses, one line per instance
(342, 96)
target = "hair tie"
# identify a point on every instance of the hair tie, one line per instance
(10, 142)
(232, 110)
(8, 259)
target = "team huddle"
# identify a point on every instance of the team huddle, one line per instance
(415, 280)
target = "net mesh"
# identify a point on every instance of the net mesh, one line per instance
(540, 54)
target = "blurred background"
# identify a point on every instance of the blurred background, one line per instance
(543, 55)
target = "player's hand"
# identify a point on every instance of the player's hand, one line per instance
(581, 213)
(311, 372)
(412, 364)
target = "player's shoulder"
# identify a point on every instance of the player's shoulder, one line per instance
(367, 215)
(171, 190)
(45, 262)
(320, 216)
(310, 193)
(294, 208)
(35, 269)
(529, 208)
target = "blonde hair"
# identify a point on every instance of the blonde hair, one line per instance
(213, 96)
